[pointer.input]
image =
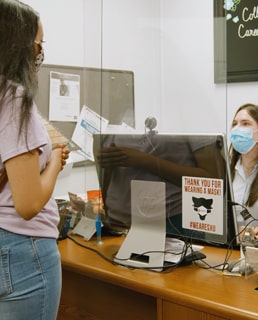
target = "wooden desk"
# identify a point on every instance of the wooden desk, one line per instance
(93, 288)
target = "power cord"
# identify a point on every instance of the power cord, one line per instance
(188, 245)
(91, 249)
(166, 267)
(246, 215)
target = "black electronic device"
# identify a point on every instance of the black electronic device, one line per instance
(214, 217)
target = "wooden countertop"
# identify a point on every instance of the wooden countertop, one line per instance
(191, 285)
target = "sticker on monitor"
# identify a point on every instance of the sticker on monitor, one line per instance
(202, 204)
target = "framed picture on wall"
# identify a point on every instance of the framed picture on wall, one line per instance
(235, 40)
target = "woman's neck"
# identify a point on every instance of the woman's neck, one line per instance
(249, 160)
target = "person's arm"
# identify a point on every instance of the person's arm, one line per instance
(204, 166)
(129, 157)
(31, 189)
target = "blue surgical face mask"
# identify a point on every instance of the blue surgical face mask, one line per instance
(242, 139)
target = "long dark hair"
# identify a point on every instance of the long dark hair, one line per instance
(252, 110)
(18, 29)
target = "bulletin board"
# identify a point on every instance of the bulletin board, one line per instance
(109, 92)
(235, 40)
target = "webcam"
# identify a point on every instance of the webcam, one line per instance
(150, 123)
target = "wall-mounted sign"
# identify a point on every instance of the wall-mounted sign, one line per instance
(235, 40)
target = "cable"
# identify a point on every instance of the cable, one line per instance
(164, 268)
(245, 212)
(188, 245)
(91, 249)
(246, 215)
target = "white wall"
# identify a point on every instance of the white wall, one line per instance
(132, 40)
(169, 46)
(191, 99)
(167, 43)
(63, 23)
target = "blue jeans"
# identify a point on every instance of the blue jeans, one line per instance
(30, 277)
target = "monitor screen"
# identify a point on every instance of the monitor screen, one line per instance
(194, 168)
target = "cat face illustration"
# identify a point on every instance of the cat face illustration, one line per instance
(202, 206)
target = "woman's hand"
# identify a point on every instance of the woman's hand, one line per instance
(60, 154)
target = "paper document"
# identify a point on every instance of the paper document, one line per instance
(175, 250)
(89, 122)
(85, 228)
(64, 97)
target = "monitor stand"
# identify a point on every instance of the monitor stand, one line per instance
(144, 244)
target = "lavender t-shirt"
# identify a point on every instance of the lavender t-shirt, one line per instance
(44, 224)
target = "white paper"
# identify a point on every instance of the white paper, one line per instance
(64, 97)
(89, 122)
(202, 204)
(85, 227)
(175, 250)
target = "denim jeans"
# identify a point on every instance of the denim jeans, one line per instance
(30, 277)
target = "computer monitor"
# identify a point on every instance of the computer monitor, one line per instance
(195, 170)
